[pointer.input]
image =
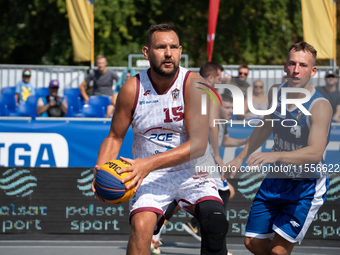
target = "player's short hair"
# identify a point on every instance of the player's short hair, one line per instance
(210, 68)
(227, 97)
(243, 66)
(305, 47)
(164, 27)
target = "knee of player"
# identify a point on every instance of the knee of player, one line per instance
(254, 246)
(279, 250)
(215, 227)
(139, 225)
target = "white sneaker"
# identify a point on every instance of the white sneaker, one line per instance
(229, 253)
(154, 247)
(189, 228)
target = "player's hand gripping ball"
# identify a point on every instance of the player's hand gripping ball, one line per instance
(108, 182)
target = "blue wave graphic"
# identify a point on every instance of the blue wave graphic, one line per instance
(248, 187)
(21, 189)
(84, 184)
(15, 175)
(17, 183)
(333, 192)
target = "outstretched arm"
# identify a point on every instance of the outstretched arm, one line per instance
(256, 139)
(317, 141)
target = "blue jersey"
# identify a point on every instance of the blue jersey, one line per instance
(292, 134)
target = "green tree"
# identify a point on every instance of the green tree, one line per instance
(248, 31)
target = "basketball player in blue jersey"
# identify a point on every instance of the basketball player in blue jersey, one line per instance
(156, 102)
(288, 200)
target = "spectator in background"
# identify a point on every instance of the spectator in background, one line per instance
(260, 101)
(241, 80)
(332, 94)
(24, 88)
(284, 79)
(52, 105)
(126, 75)
(102, 80)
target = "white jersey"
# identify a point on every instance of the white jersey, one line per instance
(158, 119)
(158, 126)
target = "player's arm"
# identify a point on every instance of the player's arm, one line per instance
(82, 89)
(255, 140)
(317, 140)
(196, 127)
(213, 133)
(233, 142)
(120, 123)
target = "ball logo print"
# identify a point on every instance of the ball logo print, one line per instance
(108, 182)
(18, 183)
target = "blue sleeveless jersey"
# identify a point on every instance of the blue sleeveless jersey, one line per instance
(292, 134)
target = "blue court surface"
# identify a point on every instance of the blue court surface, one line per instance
(116, 245)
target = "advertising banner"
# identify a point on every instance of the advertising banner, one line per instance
(46, 174)
(60, 201)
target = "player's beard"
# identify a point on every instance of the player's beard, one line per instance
(158, 69)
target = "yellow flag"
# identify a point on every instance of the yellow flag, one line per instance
(319, 26)
(80, 14)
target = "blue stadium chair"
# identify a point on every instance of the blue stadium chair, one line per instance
(72, 92)
(98, 105)
(8, 101)
(2, 108)
(92, 111)
(30, 108)
(42, 92)
(8, 90)
(74, 106)
(100, 100)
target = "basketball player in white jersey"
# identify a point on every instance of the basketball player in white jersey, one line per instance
(287, 200)
(157, 104)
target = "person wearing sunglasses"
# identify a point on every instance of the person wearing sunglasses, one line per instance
(241, 80)
(259, 99)
(331, 92)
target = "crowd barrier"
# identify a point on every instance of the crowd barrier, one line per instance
(73, 76)
(46, 175)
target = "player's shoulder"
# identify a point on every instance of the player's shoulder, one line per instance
(319, 105)
(194, 75)
(129, 87)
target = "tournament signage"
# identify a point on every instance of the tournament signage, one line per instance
(46, 174)
(60, 201)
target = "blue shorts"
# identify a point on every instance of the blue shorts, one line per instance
(285, 206)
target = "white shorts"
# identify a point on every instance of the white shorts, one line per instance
(159, 189)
